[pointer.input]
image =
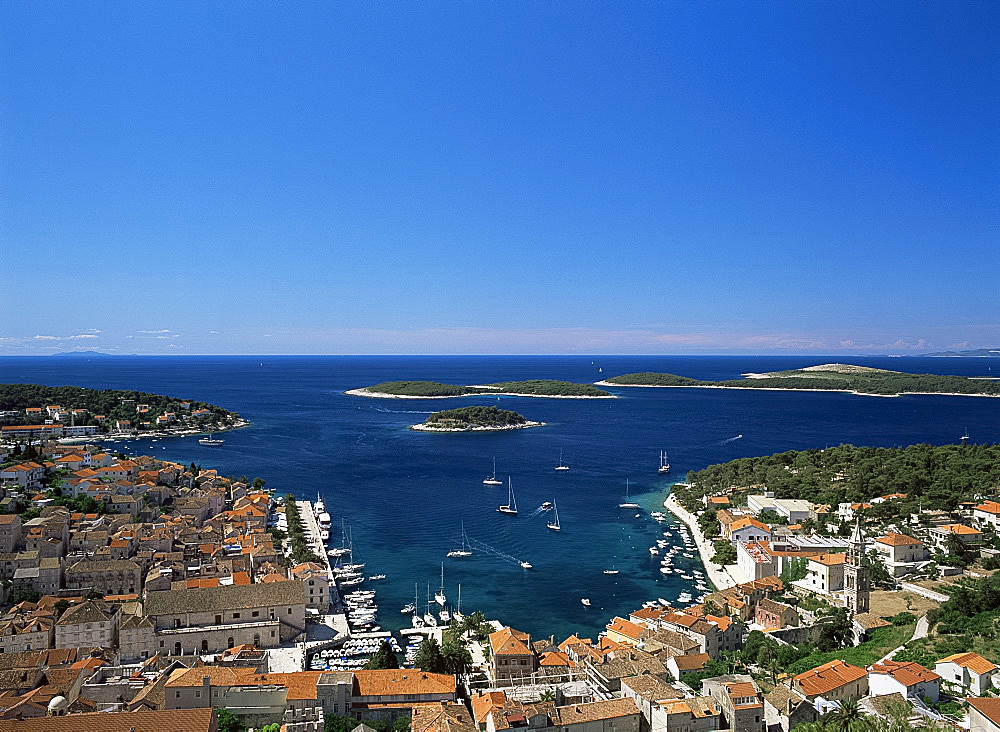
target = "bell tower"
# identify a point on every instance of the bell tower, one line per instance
(857, 575)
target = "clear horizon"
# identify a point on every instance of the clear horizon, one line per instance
(556, 178)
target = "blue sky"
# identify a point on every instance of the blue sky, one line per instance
(772, 177)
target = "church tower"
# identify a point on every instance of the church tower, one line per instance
(857, 575)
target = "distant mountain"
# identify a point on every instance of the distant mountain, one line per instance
(83, 354)
(972, 353)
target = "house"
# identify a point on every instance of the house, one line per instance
(968, 671)
(111, 577)
(680, 665)
(825, 574)
(984, 714)
(317, 585)
(792, 509)
(940, 534)
(908, 679)
(788, 707)
(738, 698)
(392, 693)
(774, 614)
(136, 638)
(442, 717)
(987, 512)
(693, 714)
(754, 559)
(511, 655)
(833, 681)
(90, 623)
(647, 691)
(747, 528)
(608, 715)
(624, 631)
(900, 552)
(212, 619)
(847, 511)
(10, 532)
(26, 475)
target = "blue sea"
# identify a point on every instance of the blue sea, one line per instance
(404, 494)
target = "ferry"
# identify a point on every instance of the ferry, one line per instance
(211, 441)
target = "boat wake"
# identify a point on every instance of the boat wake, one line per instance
(731, 439)
(492, 551)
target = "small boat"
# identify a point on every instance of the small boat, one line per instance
(464, 551)
(509, 508)
(492, 480)
(663, 602)
(561, 466)
(525, 565)
(444, 615)
(585, 601)
(653, 550)
(555, 525)
(408, 608)
(611, 571)
(376, 577)
(547, 506)
(664, 465)
(684, 597)
(211, 441)
(439, 597)
(666, 570)
(627, 503)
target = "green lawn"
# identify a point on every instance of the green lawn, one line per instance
(883, 640)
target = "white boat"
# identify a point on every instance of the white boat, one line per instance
(663, 602)
(319, 507)
(554, 525)
(376, 577)
(653, 550)
(444, 615)
(509, 508)
(324, 535)
(525, 565)
(492, 480)
(464, 551)
(627, 503)
(439, 597)
(457, 613)
(666, 570)
(585, 601)
(547, 506)
(210, 441)
(684, 597)
(611, 571)
(561, 466)
(664, 465)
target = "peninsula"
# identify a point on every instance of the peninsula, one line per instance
(861, 380)
(474, 419)
(545, 388)
(32, 410)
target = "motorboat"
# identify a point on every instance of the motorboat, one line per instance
(525, 565)
(211, 441)
(585, 601)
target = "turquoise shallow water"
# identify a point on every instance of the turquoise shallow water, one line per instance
(405, 493)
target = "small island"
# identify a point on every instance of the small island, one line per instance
(474, 419)
(30, 411)
(545, 388)
(861, 380)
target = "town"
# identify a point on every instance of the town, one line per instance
(155, 593)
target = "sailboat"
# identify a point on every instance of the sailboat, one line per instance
(428, 617)
(464, 551)
(561, 466)
(492, 480)
(964, 437)
(510, 507)
(627, 503)
(457, 613)
(554, 525)
(664, 465)
(439, 597)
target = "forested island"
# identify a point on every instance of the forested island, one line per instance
(474, 419)
(860, 380)
(931, 477)
(435, 390)
(110, 410)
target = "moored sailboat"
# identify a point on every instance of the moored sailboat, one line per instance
(627, 503)
(509, 508)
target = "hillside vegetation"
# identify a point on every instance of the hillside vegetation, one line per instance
(475, 417)
(830, 377)
(933, 477)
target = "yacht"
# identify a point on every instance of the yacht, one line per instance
(457, 613)
(376, 577)
(525, 565)
(627, 503)
(547, 506)
(510, 507)
(684, 597)
(464, 551)
(611, 571)
(585, 601)
(554, 524)
(492, 480)
(211, 441)
(664, 465)
(439, 597)
(561, 466)
(444, 615)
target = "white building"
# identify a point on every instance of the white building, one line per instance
(967, 670)
(908, 679)
(987, 513)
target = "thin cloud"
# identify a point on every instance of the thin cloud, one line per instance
(154, 332)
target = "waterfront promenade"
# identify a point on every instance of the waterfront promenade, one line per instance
(723, 577)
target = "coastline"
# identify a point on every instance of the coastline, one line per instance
(719, 575)
(115, 436)
(382, 395)
(424, 427)
(778, 388)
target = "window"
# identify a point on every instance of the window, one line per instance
(177, 695)
(236, 616)
(204, 646)
(255, 613)
(230, 643)
(289, 611)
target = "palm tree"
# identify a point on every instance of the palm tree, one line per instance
(547, 696)
(847, 717)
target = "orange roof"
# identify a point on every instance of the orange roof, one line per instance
(828, 677)
(989, 708)
(894, 495)
(746, 521)
(830, 560)
(894, 539)
(625, 628)
(691, 662)
(508, 641)
(960, 529)
(908, 674)
(988, 507)
(719, 500)
(972, 661)
(483, 704)
(555, 658)
(397, 682)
